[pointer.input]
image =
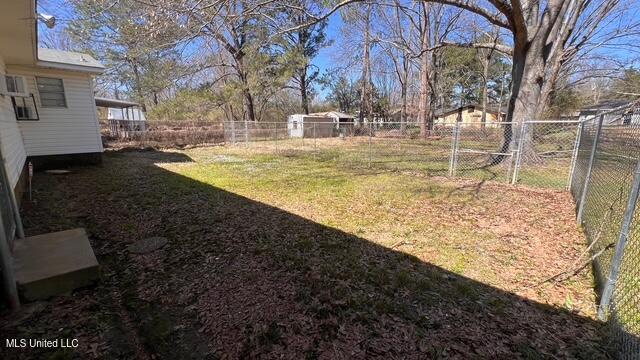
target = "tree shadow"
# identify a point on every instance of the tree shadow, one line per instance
(243, 279)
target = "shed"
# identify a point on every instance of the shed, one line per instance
(345, 123)
(310, 126)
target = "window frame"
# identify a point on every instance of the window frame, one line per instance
(23, 83)
(16, 107)
(64, 93)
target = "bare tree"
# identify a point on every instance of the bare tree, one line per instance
(541, 34)
(366, 96)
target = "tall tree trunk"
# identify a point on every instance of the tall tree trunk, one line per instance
(249, 106)
(425, 70)
(366, 96)
(524, 102)
(485, 91)
(403, 109)
(247, 98)
(138, 85)
(304, 97)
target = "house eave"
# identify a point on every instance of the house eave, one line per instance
(69, 67)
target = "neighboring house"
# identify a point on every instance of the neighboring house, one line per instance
(47, 115)
(411, 115)
(471, 113)
(125, 117)
(605, 107)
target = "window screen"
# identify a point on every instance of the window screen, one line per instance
(51, 92)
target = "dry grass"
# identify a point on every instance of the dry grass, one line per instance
(298, 256)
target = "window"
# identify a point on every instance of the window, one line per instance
(295, 125)
(51, 92)
(24, 106)
(15, 84)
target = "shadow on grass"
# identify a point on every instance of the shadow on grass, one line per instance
(243, 279)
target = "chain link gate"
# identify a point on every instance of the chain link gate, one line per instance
(534, 153)
(483, 150)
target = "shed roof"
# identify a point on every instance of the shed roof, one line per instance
(491, 108)
(336, 114)
(604, 105)
(68, 60)
(114, 103)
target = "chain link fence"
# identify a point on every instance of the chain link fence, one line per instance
(161, 133)
(595, 159)
(486, 151)
(605, 185)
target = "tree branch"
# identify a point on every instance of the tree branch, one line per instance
(496, 19)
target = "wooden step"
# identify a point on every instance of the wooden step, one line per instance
(52, 264)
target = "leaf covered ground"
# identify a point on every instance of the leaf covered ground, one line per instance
(296, 256)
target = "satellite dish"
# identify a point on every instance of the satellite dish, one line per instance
(48, 20)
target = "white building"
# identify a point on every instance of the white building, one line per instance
(322, 124)
(47, 108)
(47, 116)
(125, 118)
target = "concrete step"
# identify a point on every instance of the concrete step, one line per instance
(52, 264)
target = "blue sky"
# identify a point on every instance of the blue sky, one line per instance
(63, 12)
(325, 59)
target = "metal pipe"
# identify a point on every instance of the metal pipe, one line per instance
(574, 156)
(587, 178)
(516, 168)
(454, 142)
(370, 136)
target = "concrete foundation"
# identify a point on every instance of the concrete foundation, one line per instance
(47, 162)
(53, 264)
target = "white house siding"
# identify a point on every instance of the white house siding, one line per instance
(71, 130)
(11, 143)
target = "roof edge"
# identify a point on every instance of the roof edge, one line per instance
(71, 67)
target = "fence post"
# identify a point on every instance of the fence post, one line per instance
(610, 284)
(246, 133)
(454, 149)
(370, 136)
(516, 166)
(574, 155)
(233, 132)
(315, 145)
(587, 178)
(275, 130)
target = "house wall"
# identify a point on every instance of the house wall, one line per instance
(11, 143)
(467, 117)
(60, 131)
